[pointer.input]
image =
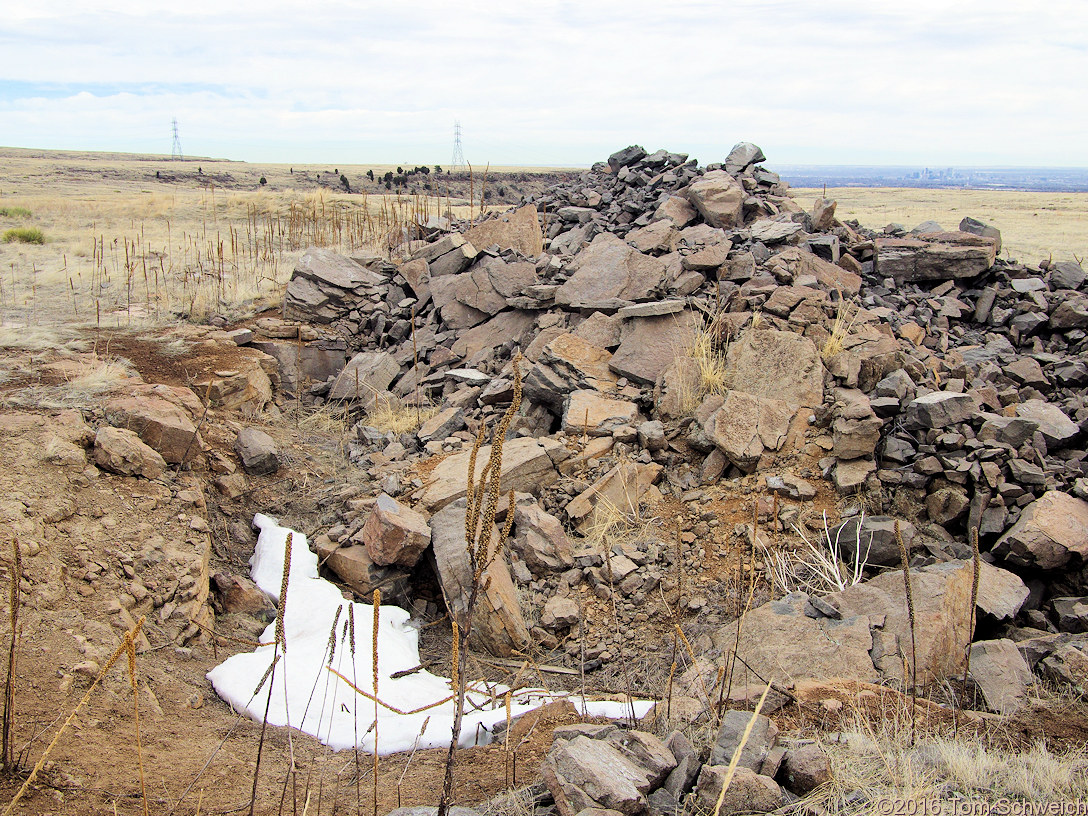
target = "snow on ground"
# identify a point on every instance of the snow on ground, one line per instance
(415, 710)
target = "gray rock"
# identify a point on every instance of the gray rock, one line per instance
(540, 540)
(651, 435)
(651, 344)
(742, 156)
(609, 270)
(1071, 313)
(1001, 673)
(257, 450)
(1050, 532)
(1066, 275)
(748, 791)
(1072, 614)
(778, 365)
(976, 227)
(441, 425)
(804, 769)
(746, 425)
(760, 740)
(560, 613)
(939, 256)
(498, 626)
(876, 544)
(627, 156)
(719, 198)
(583, 773)
(1057, 429)
(365, 374)
(940, 409)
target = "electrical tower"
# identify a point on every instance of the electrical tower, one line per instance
(458, 162)
(175, 151)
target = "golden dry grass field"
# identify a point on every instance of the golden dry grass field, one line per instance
(1034, 226)
(143, 237)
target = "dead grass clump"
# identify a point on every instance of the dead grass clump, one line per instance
(392, 416)
(874, 762)
(845, 315)
(819, 568)
(39, 339)
(97, 376)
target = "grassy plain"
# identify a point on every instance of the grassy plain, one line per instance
(1034, 226)
(143, 237)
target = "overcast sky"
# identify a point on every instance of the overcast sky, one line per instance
(972, 82)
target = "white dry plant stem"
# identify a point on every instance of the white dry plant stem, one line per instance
(817, 569)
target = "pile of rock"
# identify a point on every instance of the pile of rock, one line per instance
(914, 368)
(633, 772)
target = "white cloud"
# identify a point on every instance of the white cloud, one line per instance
(563, 82)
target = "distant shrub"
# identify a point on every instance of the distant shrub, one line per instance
(24, 235)
(370, 174)
(344, 182)
(14, 212)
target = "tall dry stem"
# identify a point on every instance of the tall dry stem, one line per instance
(483, 502)
(14, 602)
(913, 637)
(976, 568)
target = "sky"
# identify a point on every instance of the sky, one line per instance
(552, 82)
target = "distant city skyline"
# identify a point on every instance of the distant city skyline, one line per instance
(842, 82)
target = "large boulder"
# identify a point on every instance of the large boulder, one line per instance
(518, 230)
(935, 256)
(1001, 674)
(595, 415)
(742, 156)
(395, 535)
(779, 365)
(366, 374)
(941, 620)
(746, 425)
(161, 424)
(651, 344)
(257, 450)
(1051, 532)
(120, 451)
(610, 270)
(719, 198)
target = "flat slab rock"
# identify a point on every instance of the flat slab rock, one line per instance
(527, 465)
(610, 269)
(778, 365)
(651, 344)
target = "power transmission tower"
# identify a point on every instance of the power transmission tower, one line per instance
(458, 162)
(175, 151)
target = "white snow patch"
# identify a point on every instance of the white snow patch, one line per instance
(303, 693)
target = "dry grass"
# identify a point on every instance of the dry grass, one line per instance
(392, 416)
(818, 568)
(845, 314)
(1034, 226)
(39, 339)
(876, 763)
(128, 249)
